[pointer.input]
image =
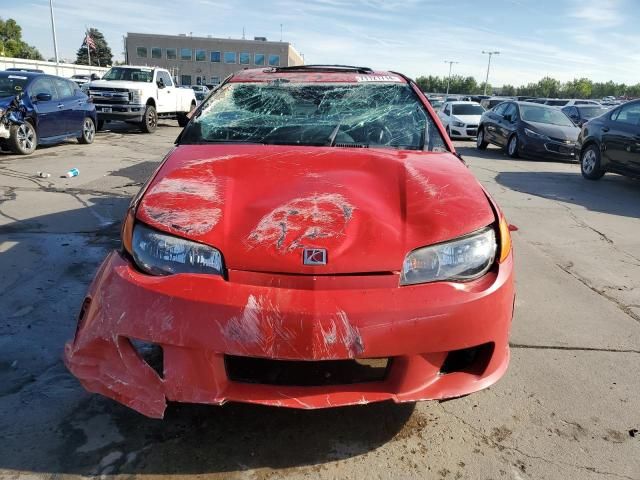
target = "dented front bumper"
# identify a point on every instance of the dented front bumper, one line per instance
(198, 320)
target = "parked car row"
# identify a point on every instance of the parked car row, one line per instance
(608, 140)
(38, 109)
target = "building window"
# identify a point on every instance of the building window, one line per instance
(245, 58)
(274, 60)
(229, 57)
(201, 55)
(156, 52)
(185, 79)
(186, 54)
(171, 54)
(215, 80)
(141, 52)
(215, 57)
(258, 59)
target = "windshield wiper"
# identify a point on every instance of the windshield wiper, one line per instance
(334, 134)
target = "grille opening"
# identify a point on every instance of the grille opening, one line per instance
(151, 354)
(305, 373)
(472, 360)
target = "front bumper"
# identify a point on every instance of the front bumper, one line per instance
(198, 319)
(129, 113)
(548, 148)
(468, 131)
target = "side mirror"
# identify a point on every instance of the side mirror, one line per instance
(43, 97)
(160, 83)
(508, 118)
(94, 77)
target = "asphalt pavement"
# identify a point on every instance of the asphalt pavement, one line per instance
(568, 407)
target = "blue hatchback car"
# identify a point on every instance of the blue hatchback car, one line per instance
(53, 108)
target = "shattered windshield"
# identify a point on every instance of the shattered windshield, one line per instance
(316, 114)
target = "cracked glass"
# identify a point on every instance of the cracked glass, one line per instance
(316, 114)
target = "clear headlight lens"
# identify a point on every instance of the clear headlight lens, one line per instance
(158, 253)
(458, 124)
(461, 260)
(136, 96)
(532, 134)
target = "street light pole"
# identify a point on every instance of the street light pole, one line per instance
(449, 78)
(486, 80)
(55, 41)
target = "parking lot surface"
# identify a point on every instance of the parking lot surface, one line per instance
(568, 407)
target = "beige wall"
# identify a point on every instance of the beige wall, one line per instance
(206, 69)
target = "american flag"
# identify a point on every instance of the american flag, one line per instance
(88, 41)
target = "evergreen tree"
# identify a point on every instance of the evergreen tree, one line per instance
(101, 56)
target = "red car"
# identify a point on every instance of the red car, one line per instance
(313, 240)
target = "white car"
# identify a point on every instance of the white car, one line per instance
(566, 102)
(140, 95)
(200, 89)
(461, 119)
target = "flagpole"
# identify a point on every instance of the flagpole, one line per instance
(53, 30)
(86, 40)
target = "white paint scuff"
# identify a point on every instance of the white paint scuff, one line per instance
(289, 226)
(201, 200)
(260, 324)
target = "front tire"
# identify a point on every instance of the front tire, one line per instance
(23, 139)
(149, 120)
(88, 131)
(590, 163)
(513, 146)
(481, 144)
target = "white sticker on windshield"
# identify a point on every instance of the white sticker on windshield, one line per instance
(377, 78)
(17, 77)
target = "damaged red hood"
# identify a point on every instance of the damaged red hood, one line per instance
(261, 205)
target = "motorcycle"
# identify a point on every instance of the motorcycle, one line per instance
(12, 115)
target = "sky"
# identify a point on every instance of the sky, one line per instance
(565, 39)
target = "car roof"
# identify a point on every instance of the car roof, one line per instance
(318, 73)
(463, 102)
(22, 73)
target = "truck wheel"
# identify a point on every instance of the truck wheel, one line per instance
(88, 131)
(149, 120)
(23, 139)
(100, 125)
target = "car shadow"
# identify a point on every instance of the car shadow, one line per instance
(493, 152)
(130, 128)
(612, 194)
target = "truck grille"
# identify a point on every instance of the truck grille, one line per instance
(108, 95)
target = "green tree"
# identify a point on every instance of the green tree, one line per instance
(11, 43)
(101, 56)
(508, 90)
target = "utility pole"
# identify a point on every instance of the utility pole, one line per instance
(486, 81)
(53, 30)
(449, 78)
(281, 32)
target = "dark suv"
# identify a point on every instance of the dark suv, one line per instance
(611, 143)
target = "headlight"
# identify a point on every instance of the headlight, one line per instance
(136, 96)
(463, 259)
(458, 124)
(160, 254)
(532, 134)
